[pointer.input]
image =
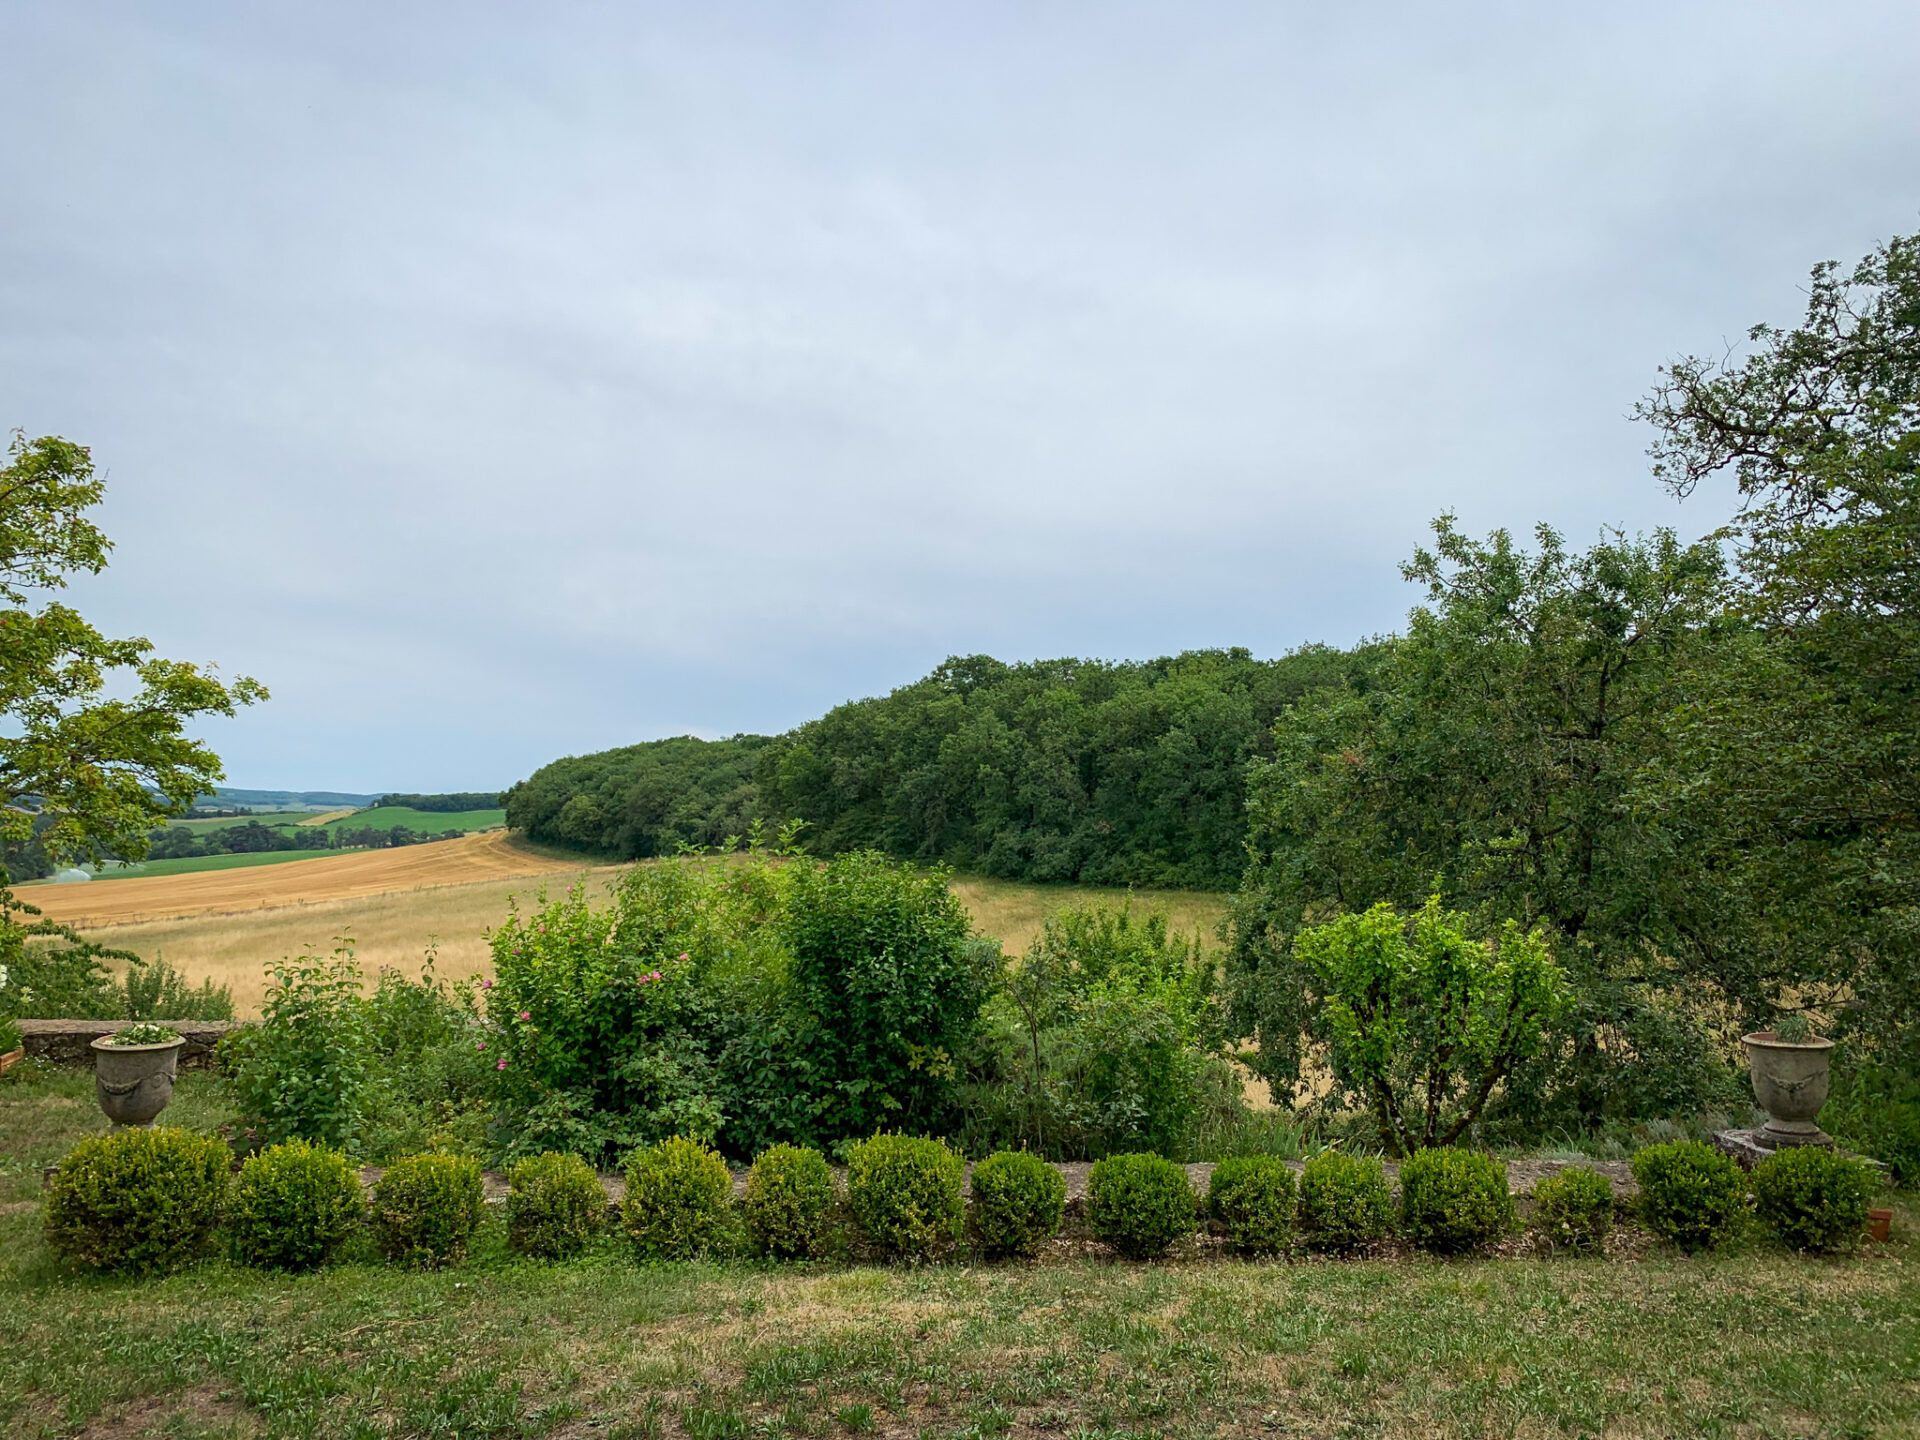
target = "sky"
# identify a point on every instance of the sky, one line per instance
(503, 382)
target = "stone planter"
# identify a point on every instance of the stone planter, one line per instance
(134, 1082)
(1790, 1081)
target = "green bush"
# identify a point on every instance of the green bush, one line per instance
(1453, 1201)
(1875, 1109)
(905, 1195)
(789, 1203)
(302, 1072)
(1344, 1202)
(679, 1201)
(554, 1205)
(293, 1206)
(426, 1208)
(1573, 1209)
(140, 1201)
(1690, 1194)
(1252, 1199)
(1140, 1204)
(1813, 1199)
(1017, 1205)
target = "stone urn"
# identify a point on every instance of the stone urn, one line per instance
(134, 1082)
(1790, 1080)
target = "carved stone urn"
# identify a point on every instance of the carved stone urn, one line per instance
(134, 1082)
(1790, 1081)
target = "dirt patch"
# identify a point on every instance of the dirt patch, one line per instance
(154, 1414)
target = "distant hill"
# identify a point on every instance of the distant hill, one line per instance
(285, 799)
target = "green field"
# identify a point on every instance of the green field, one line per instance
(428, 822)
(197, 863)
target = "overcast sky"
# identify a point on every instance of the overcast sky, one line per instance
(503, 382)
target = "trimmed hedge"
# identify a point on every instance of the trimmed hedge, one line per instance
(1813, 1199)
(905, 1195)
(555, 1206)
(293, 1206)
(138, 1201)
(1344, 1202)
(1252, 1199)
(1453, 1201)
(426, 1208)
(1017, 1206)
(1140, 1204)
(1691, 1195)
(789, 1203)
(1573, 1209)
(679, 1201)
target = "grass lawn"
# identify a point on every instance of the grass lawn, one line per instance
(1755, 1343)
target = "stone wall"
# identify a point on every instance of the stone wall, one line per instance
(69, 1042)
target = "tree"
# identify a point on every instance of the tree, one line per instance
(1804, 756)
(93, 731)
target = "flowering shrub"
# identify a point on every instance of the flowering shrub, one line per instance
(555, 1206)
(1813, 1199)
(1344, 1202)
(1573, 1209)
(905, 1195)
(1140, 1204)
(1017, 1205)
(1454, 1200)
(426, 1208)
(1251, 1198)
(1690, 1194)
(679, 1195)
(137, 1200)
(293, 1206)
(789, 1203)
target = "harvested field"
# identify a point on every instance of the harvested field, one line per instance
(326, 817)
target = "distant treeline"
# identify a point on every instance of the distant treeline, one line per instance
(1102, 772)
(445, 804)
(179, 842)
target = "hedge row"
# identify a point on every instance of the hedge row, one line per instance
(148, 1200)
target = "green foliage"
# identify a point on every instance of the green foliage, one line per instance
(1813, 1199)
(883, 970)
(1106, 1037)
(1875, 1108)
(1425, 1019)
(1344, 1202)
(1453, 1201)
(303, 1071)
(905, 1195)
(425, 1209)
(9, 1035)
(1573, 1209)
(555, 1205)
(643, 801)
(679, 1200)
(143, 1032)
(1252, 1199)
(788, 1204)
(293, 1206)
(1140, 1204)
(432, 1062)
(1691, 1195)
(1017, 1205)
(138, 1200)
(157, 991)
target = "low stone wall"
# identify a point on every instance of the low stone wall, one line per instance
(69, 1042)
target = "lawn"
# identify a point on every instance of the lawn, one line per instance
(1753, 1343)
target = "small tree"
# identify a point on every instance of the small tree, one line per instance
(1425, 1019)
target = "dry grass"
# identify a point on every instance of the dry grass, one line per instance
(1014, 912)
(326, 817)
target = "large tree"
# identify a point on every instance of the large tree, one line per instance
(94, 742)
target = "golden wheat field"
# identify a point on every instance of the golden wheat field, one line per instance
(227, 924)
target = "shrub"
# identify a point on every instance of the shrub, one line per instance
(554, 1205)
(1813, 1199)
(156, 991)
(141, 1032)
(140, 1201)
(1017, 1205)
(1573, 1208)
(301, 1073)
(426, 1208)
(433, 1062)
(905, 1195)
(679, 1195)
(1690, 1194)
(293, 1206)
(1344, 1202)
(1251, 1198)
(1876, 1109)
(789, 1203)
(1453, 1201)
(1140, 1204)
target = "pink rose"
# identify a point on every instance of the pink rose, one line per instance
(481, 1045)
(501, 1066)
(526, 1014)
(488, 984)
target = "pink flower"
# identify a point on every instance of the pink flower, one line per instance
(488, 984)
(501, 1066)
(683, 954)
(526, 1014)
(481, 1045)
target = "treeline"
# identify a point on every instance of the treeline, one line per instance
(180, 842)
(449, 804)
(1110, 773)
